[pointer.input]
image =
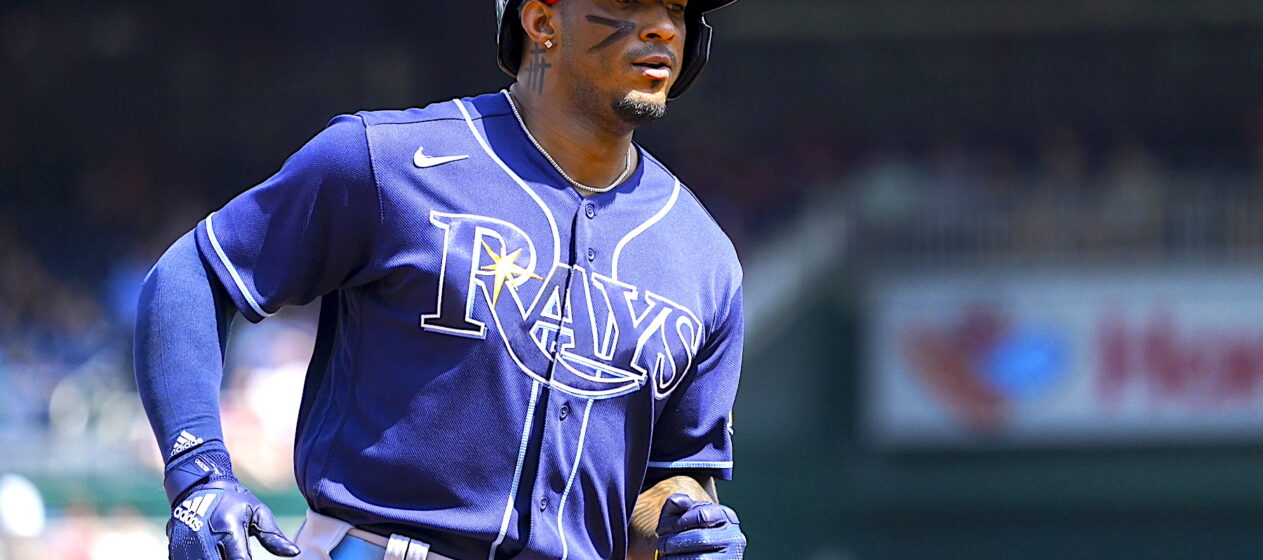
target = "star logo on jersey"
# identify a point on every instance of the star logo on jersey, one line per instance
(505, 269)
(423, 161)
(574, 329)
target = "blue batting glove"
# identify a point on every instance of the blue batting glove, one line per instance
(213, 516)
(215, 523)
(689, 530)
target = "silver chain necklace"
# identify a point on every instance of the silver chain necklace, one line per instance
(626, 169)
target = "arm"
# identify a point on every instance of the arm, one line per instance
(298, 235)
(182, 327)
(302, 233)
(644, 522)
(679, 514)
(305, 231)
(181, 334)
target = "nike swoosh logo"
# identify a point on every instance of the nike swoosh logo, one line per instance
(423, 161)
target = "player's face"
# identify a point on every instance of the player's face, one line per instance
(624, 54)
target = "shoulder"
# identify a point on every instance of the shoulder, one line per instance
(393, 137)
(690, 219)
(338, 152)
(460, 109)
(385, 142)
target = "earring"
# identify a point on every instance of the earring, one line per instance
(548, 43)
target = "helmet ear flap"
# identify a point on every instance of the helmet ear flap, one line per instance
(510, 36)
(696, 54)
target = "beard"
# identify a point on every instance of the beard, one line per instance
(622, 110)
(638, 112)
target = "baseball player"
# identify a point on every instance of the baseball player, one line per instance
(530, 332)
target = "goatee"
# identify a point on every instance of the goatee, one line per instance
(637, 112)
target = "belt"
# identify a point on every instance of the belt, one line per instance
(376, 547)
(326, 538)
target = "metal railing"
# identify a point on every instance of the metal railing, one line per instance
(1184, 216)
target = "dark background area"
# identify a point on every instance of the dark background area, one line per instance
(920, 138)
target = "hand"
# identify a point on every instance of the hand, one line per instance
(689, 530)
(216, 520)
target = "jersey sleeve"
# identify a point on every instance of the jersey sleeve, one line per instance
(694, 433)
(306, 231)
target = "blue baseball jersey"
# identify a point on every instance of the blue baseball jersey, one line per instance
(500, 362)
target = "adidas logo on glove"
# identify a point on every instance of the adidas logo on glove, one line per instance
(184, 442)
(193, 510)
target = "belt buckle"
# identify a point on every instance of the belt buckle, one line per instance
(403, 548)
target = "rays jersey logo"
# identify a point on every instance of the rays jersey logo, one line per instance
(579, 331)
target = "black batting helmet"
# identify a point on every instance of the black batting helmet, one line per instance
(696, 45)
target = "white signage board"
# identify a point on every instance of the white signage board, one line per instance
(1079, 356)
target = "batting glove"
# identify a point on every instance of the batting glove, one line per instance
(214, 516)
(698, 530)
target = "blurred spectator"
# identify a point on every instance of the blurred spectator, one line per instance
(261, 406)
(1131, 199)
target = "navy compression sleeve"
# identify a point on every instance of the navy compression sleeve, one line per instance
(181, 334)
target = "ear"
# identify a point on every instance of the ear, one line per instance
(539, 22)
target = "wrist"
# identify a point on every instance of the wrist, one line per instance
(205, 463)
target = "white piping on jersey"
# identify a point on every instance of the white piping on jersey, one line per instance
(232, 271)
(561, 507)
(487, 148)
(691, 464)
(618, 249)
(517, 471)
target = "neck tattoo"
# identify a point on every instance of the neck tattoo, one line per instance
(627, 167)
(535, 70)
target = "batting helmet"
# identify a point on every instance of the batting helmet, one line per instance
(696, 45)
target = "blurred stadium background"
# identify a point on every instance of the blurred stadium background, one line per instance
(1004, 259)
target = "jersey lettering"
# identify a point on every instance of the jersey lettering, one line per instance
(577, 330)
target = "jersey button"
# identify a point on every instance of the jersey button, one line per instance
(589, 210)
(565, 411)
(591, 255)
(543, 504)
